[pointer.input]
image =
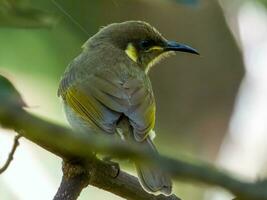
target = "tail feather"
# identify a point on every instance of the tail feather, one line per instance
(151, 177)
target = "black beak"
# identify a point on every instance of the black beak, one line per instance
(175, 46)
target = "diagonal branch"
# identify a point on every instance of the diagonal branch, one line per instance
(66, 144)
(77, 176)
(63, 142)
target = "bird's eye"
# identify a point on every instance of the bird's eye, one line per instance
(145, 44)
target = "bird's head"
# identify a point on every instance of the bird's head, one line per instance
(141, 42)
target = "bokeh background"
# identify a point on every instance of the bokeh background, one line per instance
(211, 107)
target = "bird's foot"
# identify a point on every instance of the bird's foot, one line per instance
(114, 165)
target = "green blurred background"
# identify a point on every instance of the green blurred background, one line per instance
(195, 95)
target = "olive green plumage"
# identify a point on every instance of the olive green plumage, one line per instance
(106, 89)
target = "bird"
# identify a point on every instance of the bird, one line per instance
(106, 90)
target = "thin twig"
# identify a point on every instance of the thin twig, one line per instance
(11, 154)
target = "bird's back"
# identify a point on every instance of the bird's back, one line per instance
(113, 85)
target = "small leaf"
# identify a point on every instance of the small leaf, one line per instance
(8, 93)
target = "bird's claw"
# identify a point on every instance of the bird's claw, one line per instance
(114, 165)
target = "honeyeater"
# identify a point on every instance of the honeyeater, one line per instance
(106, 89)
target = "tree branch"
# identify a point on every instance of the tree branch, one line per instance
(77, 175)
(75, 178)
(63, 142)
(11, 154)
(121, 184)
(67, 144)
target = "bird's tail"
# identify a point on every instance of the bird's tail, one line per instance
(151, 177)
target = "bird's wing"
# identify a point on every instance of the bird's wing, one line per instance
(103, 97)
(141, 111)
(95, 113)
(131, 97)
(68, 79)
(79, 95)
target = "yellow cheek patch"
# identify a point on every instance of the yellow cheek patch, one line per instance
(158, 59)
(131, 52)
(155, 48)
